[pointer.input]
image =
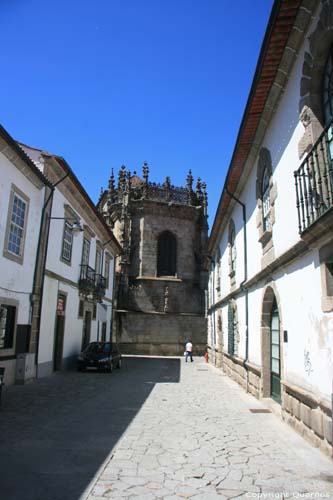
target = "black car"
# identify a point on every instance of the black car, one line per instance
(100, 355)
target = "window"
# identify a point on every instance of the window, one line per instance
(232, 330)
(326, 271)
(67, 242)
(232, 248)
(107, 270)
(166, 254)
(85, 252)
(16, 229)
(98, 261)
(327, 92)
(266, 194)
(265, 200)
(16, 225)
(81, 309)
(7, 326)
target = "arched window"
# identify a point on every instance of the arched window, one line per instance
(166, 254)
(265, 200)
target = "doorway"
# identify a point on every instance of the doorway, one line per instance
(59, 333)
(275, 354)
(86, 329)
(271, 348)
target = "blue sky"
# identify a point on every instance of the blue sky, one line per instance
(110, 82)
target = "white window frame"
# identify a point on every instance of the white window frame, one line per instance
(16, 193)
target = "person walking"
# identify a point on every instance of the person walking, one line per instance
(188, 351)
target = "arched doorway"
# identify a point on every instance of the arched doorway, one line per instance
(275, 353)
(271, 346)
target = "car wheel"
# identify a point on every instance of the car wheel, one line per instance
(119, 364)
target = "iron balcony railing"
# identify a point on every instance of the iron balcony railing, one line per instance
(87, 277)
(314, 181)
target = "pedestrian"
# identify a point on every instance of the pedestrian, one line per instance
(188, 351)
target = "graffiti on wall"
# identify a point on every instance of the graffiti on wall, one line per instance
(307, 362)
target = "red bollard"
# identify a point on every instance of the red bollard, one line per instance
(206, 357)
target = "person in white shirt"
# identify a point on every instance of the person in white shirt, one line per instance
(188, 351)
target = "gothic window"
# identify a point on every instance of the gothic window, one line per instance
(232, 248)
(166, 254)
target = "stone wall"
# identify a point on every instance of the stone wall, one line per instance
(310, 417)
(159, 333)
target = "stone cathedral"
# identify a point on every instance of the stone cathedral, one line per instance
(161, 275)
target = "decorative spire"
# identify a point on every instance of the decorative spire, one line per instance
(205, 198)
(145, 173)
(121, 178)
(189, 183)
(111, 182)
(199, 192)
(128, 181)
(145, 170)
(167, 186)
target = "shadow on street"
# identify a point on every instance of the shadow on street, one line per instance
(57, 431)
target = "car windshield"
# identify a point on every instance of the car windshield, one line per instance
(97, 348)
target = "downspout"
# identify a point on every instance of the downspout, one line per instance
(243, 288)
(39, 248)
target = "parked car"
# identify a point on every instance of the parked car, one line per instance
(100, 355)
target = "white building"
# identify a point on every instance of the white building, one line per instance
(77, 294)
(22, 192)
(270, 312)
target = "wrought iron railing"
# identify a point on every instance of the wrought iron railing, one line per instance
(314, 181)
(87, 276)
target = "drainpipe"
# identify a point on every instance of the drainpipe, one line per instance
(242, 286)
(39, 249)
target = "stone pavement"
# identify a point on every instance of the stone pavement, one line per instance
(197, 439)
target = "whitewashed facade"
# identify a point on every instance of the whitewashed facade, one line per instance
(270, 311)
(77, 293)
(22, 192)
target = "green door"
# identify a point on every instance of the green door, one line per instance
(275, 355)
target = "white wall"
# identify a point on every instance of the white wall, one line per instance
(307, 356)
(13, 275)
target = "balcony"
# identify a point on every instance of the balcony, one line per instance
(91, 284)
(100, 286)
(314, 187)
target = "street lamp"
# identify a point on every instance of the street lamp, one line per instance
(75, 225)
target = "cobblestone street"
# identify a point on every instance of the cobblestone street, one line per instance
(157, 429)
(198, 439)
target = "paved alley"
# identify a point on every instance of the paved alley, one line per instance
(156, 429)
(198, 439)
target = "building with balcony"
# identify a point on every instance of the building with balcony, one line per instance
(78, 269)
(270, 310)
